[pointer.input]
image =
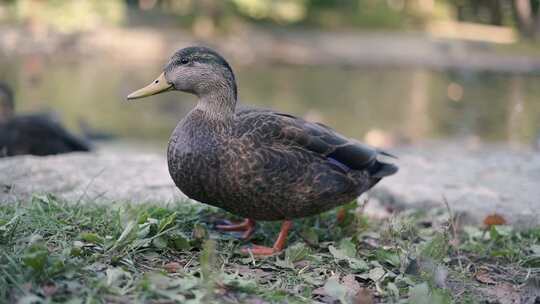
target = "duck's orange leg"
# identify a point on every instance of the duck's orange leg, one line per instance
(248, 226)
(278, 245)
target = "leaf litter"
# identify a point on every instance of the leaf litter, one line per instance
(54, 251)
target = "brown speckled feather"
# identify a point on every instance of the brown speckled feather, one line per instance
(268, 166)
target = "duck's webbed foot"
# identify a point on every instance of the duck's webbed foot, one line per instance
(278, 245)
(247, 226)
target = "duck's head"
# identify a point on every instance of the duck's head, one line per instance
(7, 104)
(196, 70)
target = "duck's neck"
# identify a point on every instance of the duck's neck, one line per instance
(218, 104)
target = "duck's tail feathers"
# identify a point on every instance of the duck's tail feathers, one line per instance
(382, 169)
(382, 152)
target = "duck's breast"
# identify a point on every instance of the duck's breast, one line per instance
(192, 160)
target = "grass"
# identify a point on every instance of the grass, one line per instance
(55, 252)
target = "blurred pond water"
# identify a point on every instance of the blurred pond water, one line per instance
(387, 105)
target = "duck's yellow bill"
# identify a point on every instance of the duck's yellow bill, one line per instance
(157, 86)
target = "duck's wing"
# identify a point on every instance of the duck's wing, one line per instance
(281, 128)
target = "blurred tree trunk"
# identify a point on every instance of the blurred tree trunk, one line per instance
(537, 27)
(495, 9)
(474, 10)
(523, 14)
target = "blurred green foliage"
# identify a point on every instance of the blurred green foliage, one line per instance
(65, 15)
(209, 15)
(312, 13)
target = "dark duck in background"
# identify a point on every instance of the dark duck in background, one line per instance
(256, 163)
(35, 134)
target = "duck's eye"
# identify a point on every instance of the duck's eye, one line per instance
(184, 61)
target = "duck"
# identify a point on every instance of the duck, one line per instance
(35, 134)
(259, 164)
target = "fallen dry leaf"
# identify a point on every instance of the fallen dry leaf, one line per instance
(350, 282)
(340, 216)
(363, 296)
(319, 291)
(353, 291)
(483, 276)
(49, 289)
(172, 267)
(454, 242)
(494, 220)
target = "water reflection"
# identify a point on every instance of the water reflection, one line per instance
(393, 105)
